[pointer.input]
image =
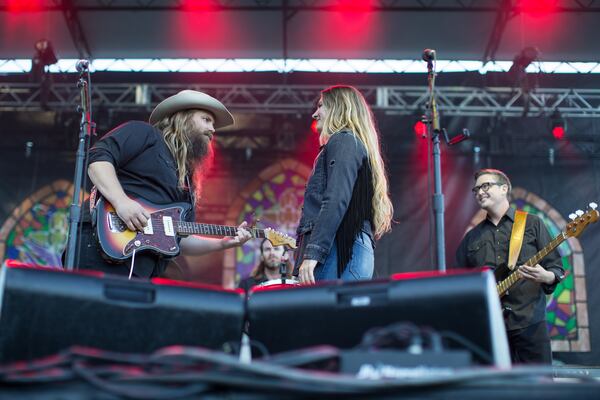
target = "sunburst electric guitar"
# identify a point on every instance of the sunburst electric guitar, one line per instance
(579, 222)
(160, 235)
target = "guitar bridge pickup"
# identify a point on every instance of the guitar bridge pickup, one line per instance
(114, 223)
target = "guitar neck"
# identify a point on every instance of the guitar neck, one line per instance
(194, 228)
(514, 277)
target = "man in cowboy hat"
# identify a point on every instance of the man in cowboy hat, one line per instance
(157, 162)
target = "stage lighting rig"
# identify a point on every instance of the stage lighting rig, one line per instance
(559, 125)
(524, 59)
(44, 56)
(519, 75)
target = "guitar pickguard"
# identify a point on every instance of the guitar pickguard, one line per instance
(158, 235)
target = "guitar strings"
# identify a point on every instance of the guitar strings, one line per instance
(212, 229)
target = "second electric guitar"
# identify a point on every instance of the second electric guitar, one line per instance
(573, 229)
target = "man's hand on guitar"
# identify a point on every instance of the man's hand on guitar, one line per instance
(132, 214)
(537, 273)
(242, 236)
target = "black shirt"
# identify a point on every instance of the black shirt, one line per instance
(144, 164)
(487, 245)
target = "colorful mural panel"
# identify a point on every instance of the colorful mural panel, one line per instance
(36, 231)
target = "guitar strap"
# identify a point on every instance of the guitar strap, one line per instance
(191, 192)
(516, 238)
(94, 197)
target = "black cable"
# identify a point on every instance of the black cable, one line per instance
(202, 370)
(401, 335)
(467, 344)
(136, 391)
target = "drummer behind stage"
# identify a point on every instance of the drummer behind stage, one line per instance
(271, 258)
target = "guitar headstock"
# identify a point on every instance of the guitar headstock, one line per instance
(580, 220)
(280, 239)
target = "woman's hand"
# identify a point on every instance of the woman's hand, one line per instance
(306, 274)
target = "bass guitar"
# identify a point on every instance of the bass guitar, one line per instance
(579, 222)
(160, 235)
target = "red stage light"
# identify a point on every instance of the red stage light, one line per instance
(353, 5)
(24, 5)
(558, 132)
(199, 5)
(538, 6)
(420, 129)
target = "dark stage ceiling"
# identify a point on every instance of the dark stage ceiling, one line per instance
(563, 30)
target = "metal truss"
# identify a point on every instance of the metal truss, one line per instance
(359, 66)
(295, 5)
(294, 99)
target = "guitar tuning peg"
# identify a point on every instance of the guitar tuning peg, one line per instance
(579, 213)
(593, 205)
(572, 216)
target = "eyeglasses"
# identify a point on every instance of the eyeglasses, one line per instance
(485, 187)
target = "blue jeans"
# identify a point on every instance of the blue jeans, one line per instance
(360, 266)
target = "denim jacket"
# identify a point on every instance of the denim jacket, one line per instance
(328, 193)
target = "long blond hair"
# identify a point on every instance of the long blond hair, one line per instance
(173, 128)
(347, 109)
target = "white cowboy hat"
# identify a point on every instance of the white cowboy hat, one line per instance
(191, 99)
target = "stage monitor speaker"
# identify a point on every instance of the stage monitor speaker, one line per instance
(337, 314)
(44, 311)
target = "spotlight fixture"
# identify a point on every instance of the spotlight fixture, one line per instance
(420, 128)
(44, 52)
(524, 59)
(43, 57)
(559, 125)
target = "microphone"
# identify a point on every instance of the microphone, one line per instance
(428, 55)
(82, 65)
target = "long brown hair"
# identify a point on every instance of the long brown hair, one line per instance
(174, 128)
(347, 109)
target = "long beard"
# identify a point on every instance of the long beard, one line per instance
(200, 160)
(199, 150)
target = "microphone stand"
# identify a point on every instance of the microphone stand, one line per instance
(86, 129)
(283, 271)
(432, 120)
(283, 267)
(433, 132)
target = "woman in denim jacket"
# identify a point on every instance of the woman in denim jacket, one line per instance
(346, 202)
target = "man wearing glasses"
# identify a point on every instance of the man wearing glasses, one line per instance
(487, 244)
